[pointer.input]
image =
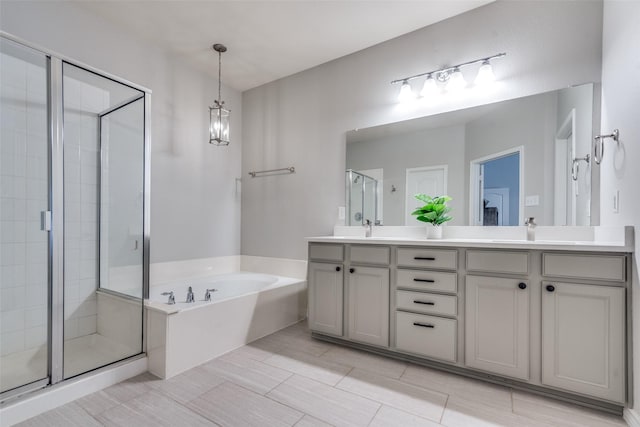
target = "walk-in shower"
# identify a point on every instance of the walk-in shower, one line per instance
(362, 198)
(73, 218)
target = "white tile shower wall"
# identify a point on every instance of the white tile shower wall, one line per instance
(23, 195)
(81, 151)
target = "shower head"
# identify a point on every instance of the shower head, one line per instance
(355, 181)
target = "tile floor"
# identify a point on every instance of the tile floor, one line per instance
(288, 379)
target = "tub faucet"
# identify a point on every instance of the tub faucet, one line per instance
(190, 297)
(207, 295)
(172, 298)
(367, 228)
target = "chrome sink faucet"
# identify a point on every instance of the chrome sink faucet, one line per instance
(190, 297)
(172, 298)
(531, 228)
(367, 228)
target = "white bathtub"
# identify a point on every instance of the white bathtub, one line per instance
(244, 307)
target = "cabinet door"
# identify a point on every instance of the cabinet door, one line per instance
(497, 325)
(583, 331)
(325, 298)
(368, 293)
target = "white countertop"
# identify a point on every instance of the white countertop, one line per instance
(596, 239)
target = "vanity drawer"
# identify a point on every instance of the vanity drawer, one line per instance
(498, 262)
(427, 280)
(369, 254)
(598, 267)
(428, 258)
(324, 252)
(426, 303)
(426, 335)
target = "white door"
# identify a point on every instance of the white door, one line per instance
(498, 198)
(368, 293)
(497, 325)
(325, 297)
(583, 330)
(429, 180)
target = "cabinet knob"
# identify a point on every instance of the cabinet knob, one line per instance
(352, 270)
(522, 285)
(338, 269)
(551, 288)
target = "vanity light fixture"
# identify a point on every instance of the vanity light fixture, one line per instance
(219, 117)
(450, 78)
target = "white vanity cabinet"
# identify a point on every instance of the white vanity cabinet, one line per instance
(326, 289)
(367, 293)
(498, 325)
(554, 320)
(583, 326)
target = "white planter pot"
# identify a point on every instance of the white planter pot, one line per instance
(434, 231)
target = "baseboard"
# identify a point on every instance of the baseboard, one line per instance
(632, 417)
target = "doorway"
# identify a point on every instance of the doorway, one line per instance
(497, 188)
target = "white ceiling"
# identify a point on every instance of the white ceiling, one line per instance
(268, 39)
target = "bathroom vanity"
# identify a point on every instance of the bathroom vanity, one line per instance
(549, 316)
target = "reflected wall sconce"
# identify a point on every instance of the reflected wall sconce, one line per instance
(449, 79)
(219, 117)
(598, 146)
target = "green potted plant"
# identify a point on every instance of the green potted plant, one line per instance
(434, 212)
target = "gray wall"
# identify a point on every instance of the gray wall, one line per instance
(195, 212)
(619, 168)
(411, 150)
(531, 125)
(301, 120)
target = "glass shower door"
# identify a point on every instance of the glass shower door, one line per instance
(104, 205)
(24, 202)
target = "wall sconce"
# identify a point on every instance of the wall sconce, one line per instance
(219, 117)
(450, 79)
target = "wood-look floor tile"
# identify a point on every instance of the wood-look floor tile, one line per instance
(131, 388)
(232, 405)
(336, 407)
(189, 385)
(310, 366)
(98, 402)
(560, 413)
(462, 390)
(392, 417)
(247, 352)
(416, 400)
(380, 365)
(152, 409)
(309, 421)
(284, 341)
(460, 415)
(248, 373)
(69, 415)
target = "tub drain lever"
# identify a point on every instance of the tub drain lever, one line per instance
(207, 295)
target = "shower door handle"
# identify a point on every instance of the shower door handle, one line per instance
(45, 220)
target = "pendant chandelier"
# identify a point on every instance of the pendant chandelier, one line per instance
(219, 117)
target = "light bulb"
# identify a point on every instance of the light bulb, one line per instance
(485, 74)
(430, 87)
(406, 94)
(456, 81)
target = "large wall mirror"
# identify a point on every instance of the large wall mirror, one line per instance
(501, 163)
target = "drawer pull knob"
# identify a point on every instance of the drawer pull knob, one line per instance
(424, 325)
(551, 288)
(424, 258)
(424, 280)
(338, 269)
(417, 301)
(522, 285)
(352, 270)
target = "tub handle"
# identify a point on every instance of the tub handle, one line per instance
(207, 295)
(172, 298)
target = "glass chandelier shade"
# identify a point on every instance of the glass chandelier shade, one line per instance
(219, 117)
